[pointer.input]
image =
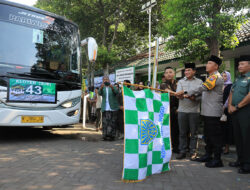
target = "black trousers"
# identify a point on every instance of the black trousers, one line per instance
(227, 127)
(109, 124)
(174, 131)
(241, 124)
(120, 121)
(98, 118)
(213, 134)
(188, 125)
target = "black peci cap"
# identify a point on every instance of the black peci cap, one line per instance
(190, 65)
(215, 59)
(244, 58)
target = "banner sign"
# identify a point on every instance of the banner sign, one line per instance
(98, 80)
(20, 90)
(125, 74)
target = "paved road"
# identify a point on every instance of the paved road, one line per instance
(70, 158)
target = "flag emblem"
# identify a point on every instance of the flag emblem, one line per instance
(148, 131)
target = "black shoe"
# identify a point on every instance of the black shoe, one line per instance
(243, 171)
(204, 158)
(181, 156)
(234, 164)
(214, 164)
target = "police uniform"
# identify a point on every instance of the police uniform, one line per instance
(212, 110)
(241, 119)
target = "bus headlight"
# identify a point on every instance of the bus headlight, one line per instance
(71, 103)
(67, 104)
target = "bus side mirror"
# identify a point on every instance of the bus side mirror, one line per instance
(92, 48)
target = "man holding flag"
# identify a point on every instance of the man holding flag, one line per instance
(188, 112)
(171, 84)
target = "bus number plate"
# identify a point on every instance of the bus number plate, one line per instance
(32, 119)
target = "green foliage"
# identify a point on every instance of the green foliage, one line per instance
(117, 25)
(199, 27)
(106, 57)
(222, 67)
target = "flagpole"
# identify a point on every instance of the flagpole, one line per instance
(148, 7)
(147, 87)
(149, 50)
(155, 62)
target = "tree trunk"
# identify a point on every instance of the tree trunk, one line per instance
(214, 44)
(105, 32)
(114, 36)
(214, 47)
(106, 70)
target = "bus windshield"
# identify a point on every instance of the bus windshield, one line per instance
(38, 45)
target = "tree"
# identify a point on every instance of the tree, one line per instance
(117, 25)
(196, 28)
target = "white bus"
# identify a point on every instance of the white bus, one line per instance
(40, 68)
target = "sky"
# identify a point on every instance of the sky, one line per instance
(25, 2)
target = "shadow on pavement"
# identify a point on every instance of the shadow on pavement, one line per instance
(24, 134)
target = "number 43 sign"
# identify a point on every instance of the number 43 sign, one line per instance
(31, 91)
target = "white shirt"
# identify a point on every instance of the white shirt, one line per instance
(186, 105)
(108, 108)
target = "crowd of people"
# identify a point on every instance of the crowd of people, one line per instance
(105, 108)
(225, 109)
(223, 106)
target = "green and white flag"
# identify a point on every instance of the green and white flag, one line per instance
(147, 148)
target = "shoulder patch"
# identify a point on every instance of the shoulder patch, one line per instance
(210, 82)
(212, 78)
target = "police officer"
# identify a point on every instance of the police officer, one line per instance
(211, 109)
(239, 107)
